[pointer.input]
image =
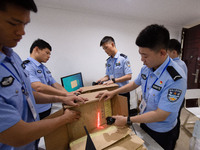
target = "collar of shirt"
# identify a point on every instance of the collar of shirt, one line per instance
(160, 69)
(177, 58)
(35, 62)
(117, 55)
(3, 57)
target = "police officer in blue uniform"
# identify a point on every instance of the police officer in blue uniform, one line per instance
(19, 127)
(174, 52)
(118, 69)
(39, 72)
(163, 84)
(40, 77)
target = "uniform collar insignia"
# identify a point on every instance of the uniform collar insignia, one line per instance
(39, 71)
(143, 76)
(7, 81)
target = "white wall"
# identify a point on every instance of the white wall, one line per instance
(75, 39)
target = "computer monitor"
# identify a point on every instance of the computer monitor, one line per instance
(72, 82)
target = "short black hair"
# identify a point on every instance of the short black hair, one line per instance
(41, 44)
(174, 45)
(107, 39)
(154, 36)
(27, 4)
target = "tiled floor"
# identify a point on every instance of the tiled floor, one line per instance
(184, 138)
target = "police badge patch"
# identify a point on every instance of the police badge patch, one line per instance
(7, 81)
(128, 63)
(173, 94)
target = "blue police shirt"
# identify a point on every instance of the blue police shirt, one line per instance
(165, 94)
(118, 66)
(181, 64)
(39, 73)
(14, 86)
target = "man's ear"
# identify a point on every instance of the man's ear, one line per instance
(174, 52)
(113, 44)
(163, 52)
(36, 49)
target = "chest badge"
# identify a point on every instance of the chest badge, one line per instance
(173, 94)
(7, 81)
(118, 64)
(156, 87)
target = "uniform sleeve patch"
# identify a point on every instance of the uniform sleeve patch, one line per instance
(173, 94)
(128, 63)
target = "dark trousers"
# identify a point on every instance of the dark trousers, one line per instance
(132, 112)
(44, 114)
(166, 140)
(178, 118)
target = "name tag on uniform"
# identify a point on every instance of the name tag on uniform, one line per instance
(31, 107)
(142, 106)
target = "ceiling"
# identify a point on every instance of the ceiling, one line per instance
(172, 12)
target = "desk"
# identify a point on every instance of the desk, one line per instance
(149, 143)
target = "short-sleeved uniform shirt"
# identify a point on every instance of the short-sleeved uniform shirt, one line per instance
(181, 64)
(117, 67)
(165, 89)
(39, 73)
(15, 88)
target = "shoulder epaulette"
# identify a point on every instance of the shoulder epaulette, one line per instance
(107, 58)
(24, 62)
(123, 55)
(173, 73)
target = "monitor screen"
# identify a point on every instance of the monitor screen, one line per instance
(72, 82)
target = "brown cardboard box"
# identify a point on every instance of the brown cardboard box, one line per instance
(89, 89)
(111, 138)
(93, 116)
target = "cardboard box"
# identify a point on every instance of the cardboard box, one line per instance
(89, 89)
(110, 138)
(93, 116)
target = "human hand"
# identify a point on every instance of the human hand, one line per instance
(120, 120)
(78, 92)
(108, 82)
(74, 100)
(98, 82)
(105, 95)
(71, 115)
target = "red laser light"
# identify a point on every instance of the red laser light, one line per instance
(98, 121)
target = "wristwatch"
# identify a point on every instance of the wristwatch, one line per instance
(113, 79)
(129, 121)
